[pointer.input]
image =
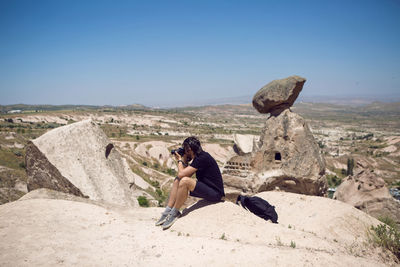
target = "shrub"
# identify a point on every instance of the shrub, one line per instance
(155, 183)
(18, 153)
(321, 145)
(22, 165)
(171, 172)
(333, 180)
(143, 202)
(223, 237)
(159, 192)
(387, 235)
(350, 166)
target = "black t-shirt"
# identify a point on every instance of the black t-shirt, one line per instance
(208, 171)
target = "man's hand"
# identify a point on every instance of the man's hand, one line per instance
(184, 158)
(177, 156)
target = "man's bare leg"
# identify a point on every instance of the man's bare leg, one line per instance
(185, 185)
(171, 202)
(173, 193)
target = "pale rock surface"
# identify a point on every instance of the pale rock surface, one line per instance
(389, 149)
(157, 150)
(218, 152)
(367, 191)
(72, 159)
(278, 95)
(51, 228)
(243, 143)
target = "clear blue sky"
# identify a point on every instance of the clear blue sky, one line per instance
(161, 52)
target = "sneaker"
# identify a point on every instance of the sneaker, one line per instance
(170, 220)
(162, 219)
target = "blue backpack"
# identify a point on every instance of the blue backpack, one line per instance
(259, 207)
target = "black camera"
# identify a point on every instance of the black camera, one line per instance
(181, 151)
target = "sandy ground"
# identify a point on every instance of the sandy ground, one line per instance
(39, 231)
(390, 149)
(393, 140)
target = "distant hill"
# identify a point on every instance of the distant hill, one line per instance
(40, 108)
(391, 110)
(247, 99)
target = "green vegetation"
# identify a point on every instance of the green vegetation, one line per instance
(350, 166)
(223, 237)
(333, 180)
(13, 159)
(8, 179)
(292, 244)
(171, 172)
(340, 173)
(387, 235)
(396, 184)
(143, 202)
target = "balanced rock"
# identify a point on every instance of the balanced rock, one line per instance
(79, 159)
(287, 156)
(278, 95)
(367, 191)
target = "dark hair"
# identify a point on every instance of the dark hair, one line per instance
(193, 143)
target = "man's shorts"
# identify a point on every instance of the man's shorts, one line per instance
(201, 190)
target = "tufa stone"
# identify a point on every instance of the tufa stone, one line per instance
(368, 192)
(288, 157)
(278, 95)
(79, 159)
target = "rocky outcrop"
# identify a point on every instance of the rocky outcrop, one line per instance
(43, 174)
(243, 143)
(278, 95)
(368, 192)
(78, 159)
(52, 229)
(287, 156)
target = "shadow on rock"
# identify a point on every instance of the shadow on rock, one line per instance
(199, 204)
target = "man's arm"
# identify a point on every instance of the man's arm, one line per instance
(182, 170)
(185, 172)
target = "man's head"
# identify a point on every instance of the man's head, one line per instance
(193, 144)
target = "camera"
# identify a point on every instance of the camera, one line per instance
(180, 151)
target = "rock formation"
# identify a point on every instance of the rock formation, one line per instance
(278, 95)
(243, 143)
(78, 159)
(287, 156)
(51, 229)
(368, 192)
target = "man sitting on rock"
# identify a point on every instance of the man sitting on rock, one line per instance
(209, 184)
